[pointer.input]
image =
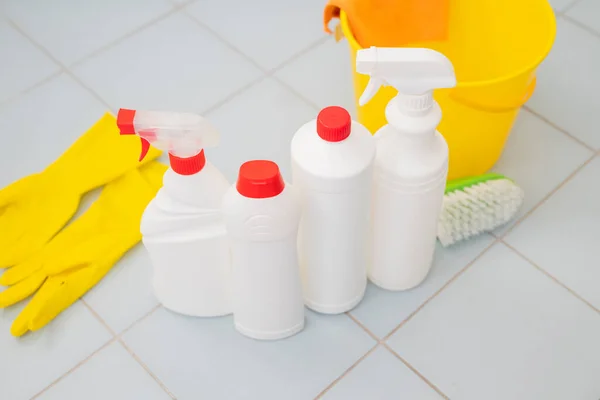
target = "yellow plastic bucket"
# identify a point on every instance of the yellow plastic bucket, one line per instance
(495, 46)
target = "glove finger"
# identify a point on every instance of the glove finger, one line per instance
(27, 227)
(20, 325)
(81, 255)
(21, 271)
(16, 249)
(21, 290)
(15, 189)
(69, 288)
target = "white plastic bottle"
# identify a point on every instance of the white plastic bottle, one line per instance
(262, 215)
(332, 167)
(411, 164)
(183, 228)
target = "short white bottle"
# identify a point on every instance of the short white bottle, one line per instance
(262, 214)
(332, 166)
(411, 164)
(183, 228)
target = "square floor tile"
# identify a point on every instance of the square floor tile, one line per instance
(172, 65)
(568, 83)
(72, 29)
(323, 75)
(504, 330)
(258, 124)
(125, 294)
(588, 13)
(382, 310)
(381, 376)
(42, 124)
(111, 374)
(269, 32)
(23, 65)
(538, 158)
(205, 358)
(32, 362)
(562, 235)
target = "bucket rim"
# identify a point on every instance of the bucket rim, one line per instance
(471, 84)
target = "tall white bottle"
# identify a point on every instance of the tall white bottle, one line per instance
(411, 164)
(183, 228)
(332, 166)
(262, 215)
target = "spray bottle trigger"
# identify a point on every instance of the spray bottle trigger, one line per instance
(145, 148)
(371, 90)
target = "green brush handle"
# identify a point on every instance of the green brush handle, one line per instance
(462, 183)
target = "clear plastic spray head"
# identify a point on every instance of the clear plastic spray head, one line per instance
(183, 135)
(414, 72)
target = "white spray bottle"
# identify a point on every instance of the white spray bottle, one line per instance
(411, 162)
(183, 227)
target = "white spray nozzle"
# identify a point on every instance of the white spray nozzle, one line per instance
(412, 71)
(181, 134)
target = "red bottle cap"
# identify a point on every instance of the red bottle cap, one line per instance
(259, 179)
(334, 124)
(188, 165)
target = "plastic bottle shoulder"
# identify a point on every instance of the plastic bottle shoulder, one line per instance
(334, 160)
(410, 159)
(203, 190)
(266, 219)
(186, 206)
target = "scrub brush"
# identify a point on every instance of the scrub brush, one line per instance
(476, 205)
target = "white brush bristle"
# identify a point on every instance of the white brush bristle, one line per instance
(479, 208)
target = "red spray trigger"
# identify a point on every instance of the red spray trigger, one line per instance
(145, 148)
(126, 127)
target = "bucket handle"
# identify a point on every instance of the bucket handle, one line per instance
(525, 99)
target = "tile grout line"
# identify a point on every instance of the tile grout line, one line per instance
(360, 324)
(234, 94)
(558, 128)
(581, 25)
(85, 360)
(568, 7)
(295, 92)
(549, 275)
(75, 367)
(415, 371)
(387, 346)
(99, 318)
(231, 46)
(548, 195)
(119, 338)
(139, 320)
(145, 367)
(384, 344)
(268, 73)
(36, 85)
(434, 295)
(346, 372)
(60, 64)
(144, 26)
(343, 375)
(115, 338)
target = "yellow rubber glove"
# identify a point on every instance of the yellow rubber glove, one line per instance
(82, 253)
(34, 208)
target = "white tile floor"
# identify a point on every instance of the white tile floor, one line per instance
(514, 315)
